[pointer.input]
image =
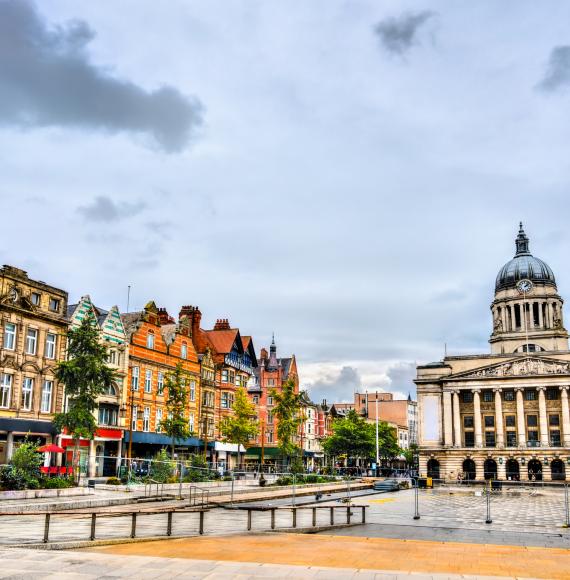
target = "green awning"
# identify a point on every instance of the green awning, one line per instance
(255, 452)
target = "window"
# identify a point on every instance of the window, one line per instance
(532, 437)
(555, 438)
(270, 382)
(270, 418)
(530, 395)
(108, 415)
(160, 383)
(47, 390)
(10, 336)
(270, 400)
(239, 381)
(225, 376)
(135, 414)
(552, 394)
(309, 429)
(150, 340)
(35, 298)
(191, 422)
(54, 304)
(192, 390)
(487, 396)
(231, 376)
(554, 420)
(27, 391)
(146, 419)
(31, 341)
(269, 435)
(532, 420)
(158, 428)
(148, 381)
(50, 345)
(225, 401)
(489, 439)
(489, 421)
(5, 391)
(468, 421)
(509, 395)
(511, 439)
(256, 399)
(135, 379)
(112, 356)
(469, 439)
(510, 421)
(184, 351)
(467, 396)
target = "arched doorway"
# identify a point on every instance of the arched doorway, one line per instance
(513, 470)
(433, 468)
(558, 470)
(469, 470)
(490, 469)
(535, 470)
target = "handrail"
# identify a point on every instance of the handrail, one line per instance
(148, 486)
(193, 496)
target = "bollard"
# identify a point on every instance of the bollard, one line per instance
(232, 498)
(93, 520)
(169, 524)
(567, 505)
(363, 514)
(294, 480)
(202, 523)
(416, 501)
(348, 514)
(134, 524)
(248, 520)
(488, 520)
(332, 516)
(314, 517)
(46, 529)
(294, 517)
(273, 518)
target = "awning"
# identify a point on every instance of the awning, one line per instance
(255, 452)
(162, 439)
(27, 426)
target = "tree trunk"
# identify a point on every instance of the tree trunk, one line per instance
(75, 462)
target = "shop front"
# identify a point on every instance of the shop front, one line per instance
(13, 432)
(146, 445)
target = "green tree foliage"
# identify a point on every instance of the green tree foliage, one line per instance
(161, 467)
(287, 410)
(410, 454)
(85, 376)
(354, 437)
(23, 472)
(242, 426)
(177, 395)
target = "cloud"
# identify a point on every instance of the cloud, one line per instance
(402, 377)
(48, 80)
(336, 387)
(558, 72)
(398, 35)
(104, 209)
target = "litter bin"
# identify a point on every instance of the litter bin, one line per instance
(422, 482)
(429, 482)
(91, 483)
(496, 485)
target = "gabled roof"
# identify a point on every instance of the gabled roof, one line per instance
(223, 341)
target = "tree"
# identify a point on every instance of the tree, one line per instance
(85, 375)
(287, 411)
(388, 447)
(410, 455)
(240, 427)
(351, 436)
(176, 424)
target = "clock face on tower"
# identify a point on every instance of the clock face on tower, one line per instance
(524, 286)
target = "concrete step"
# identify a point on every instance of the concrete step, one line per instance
(56, 506)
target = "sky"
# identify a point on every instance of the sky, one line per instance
(347, 174)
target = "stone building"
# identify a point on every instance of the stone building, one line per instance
(33, 341)
(503, 415)
(102, 455)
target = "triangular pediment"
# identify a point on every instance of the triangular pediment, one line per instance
(526, 366)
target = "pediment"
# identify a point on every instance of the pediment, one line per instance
(527, 366)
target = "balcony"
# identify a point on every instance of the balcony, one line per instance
(533, 443)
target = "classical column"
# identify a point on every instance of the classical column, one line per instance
(542, 420)
(540, 319)
(565, 416)
(447, 419)
(456, 420)
(521, 433)
(9, 445)
(477, 418)
(499, 418)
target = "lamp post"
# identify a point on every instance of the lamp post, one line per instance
(377, 442)
(262, 444)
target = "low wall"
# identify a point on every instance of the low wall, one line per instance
(44, 493)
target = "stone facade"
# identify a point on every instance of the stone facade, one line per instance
(503, 415)
(34, 326)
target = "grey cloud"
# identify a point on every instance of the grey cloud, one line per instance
(104, 209)
(558, 72)
(398, 35)
(339, 388)
(47, 79)
(401, 377)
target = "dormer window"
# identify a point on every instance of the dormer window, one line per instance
(35, 298)
(184, 351)
(150, 340)
(54, 304)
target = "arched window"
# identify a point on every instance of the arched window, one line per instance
(433, 468)
(469, 470)
(513, 470)
(490, 469)
(529, 348)
(150, 340)
(110, 390)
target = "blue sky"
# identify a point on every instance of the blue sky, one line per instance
(349, 175)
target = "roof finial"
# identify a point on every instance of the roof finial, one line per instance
(521, 242)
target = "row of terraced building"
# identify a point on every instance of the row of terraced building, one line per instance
(143, 347)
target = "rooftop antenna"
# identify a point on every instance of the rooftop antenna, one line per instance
(128, 296)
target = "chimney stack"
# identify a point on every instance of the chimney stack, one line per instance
(222, 324)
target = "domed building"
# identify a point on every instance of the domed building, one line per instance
(503, 415)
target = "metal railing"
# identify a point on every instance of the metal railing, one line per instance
(152, 484)
(198, 496)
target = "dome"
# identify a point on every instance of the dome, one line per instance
(524, 266)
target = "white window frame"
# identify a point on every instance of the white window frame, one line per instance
(32, 341)
(184, 351)
(47, 394)
(146, 419)
(27, 393)
(148, 381)
(150, 340)
(158, 420)
(135, 379)
(10, 336)
(51, 341)
(191, 422)
(134, 417)
(6, 390)
(33, 297)
(160, 383)
(54, 304)
(192, 390)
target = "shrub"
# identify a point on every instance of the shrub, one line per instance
(161, 468)
(12, 478)
(57, 482)
(113, 481)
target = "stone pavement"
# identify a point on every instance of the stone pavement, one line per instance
(20, 564)
(398, 556)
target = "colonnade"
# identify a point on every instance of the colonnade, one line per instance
(549, 312)
(452, 427)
